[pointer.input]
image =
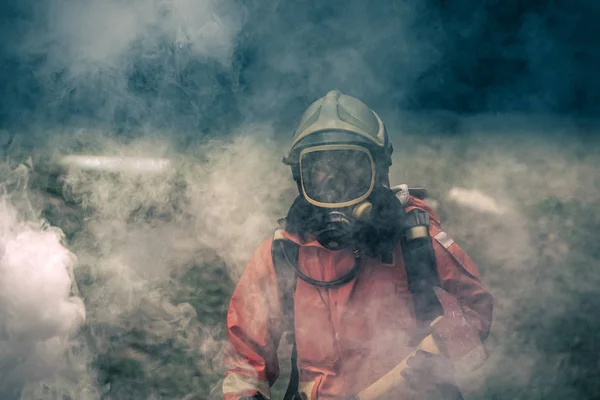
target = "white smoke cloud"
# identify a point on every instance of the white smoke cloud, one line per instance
(144, 231)
(39, 308)
(475, 199)
(238, 194)
(91, 35)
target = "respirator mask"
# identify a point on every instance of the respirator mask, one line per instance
(338, 180)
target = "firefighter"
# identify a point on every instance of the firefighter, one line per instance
(364, 258)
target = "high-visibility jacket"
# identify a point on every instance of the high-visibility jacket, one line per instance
(346, 337)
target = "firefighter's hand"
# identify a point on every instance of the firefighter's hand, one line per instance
(428, 373)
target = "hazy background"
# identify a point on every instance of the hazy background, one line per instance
(495, 97)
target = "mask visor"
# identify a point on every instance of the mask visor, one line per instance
(336, 176)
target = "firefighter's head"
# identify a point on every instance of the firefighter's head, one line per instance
(340, 155)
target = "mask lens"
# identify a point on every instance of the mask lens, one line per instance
(336, 176)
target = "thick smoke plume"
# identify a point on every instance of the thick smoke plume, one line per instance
(40, 310)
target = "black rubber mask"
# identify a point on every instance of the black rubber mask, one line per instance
(337, 230)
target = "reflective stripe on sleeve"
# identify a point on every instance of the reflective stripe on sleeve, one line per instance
(444, 239)
(234, 383)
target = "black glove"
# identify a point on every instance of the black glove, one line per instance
(432, 375)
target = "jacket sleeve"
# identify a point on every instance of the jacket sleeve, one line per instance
(459, 276)
(254, 330)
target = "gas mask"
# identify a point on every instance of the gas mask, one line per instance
(338, 180)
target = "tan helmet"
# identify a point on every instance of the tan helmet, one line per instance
(338, 121)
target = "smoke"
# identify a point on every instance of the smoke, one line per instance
(295, 52)
(159, 251)
(543, 180)
(189, 66)
(150, 244)
(39, 310)
(215, 88)
(474, 199)
(104, 62)
(238, 193)
(96, 35)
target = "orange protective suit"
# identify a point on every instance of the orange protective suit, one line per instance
(346, 337)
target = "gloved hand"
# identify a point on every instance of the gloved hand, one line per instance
(431, 374)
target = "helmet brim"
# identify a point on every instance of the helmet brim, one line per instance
(327, 137)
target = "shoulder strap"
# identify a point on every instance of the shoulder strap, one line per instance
(421, 265)
(284, 251)
(419, 256)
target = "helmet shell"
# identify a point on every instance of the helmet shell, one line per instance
(340, 119)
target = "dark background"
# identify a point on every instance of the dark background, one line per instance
(464, 56)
